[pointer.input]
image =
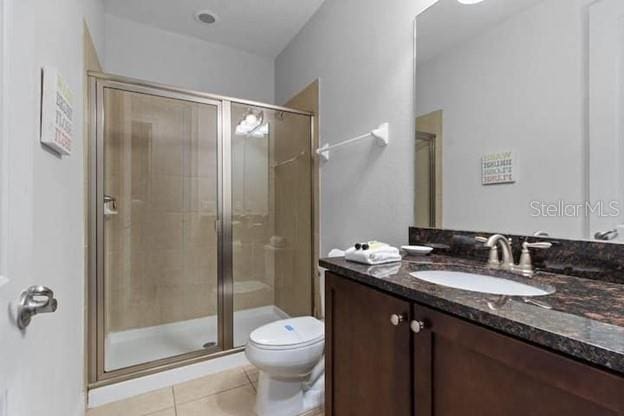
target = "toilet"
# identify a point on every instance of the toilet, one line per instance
(291, 364)
(289, 357)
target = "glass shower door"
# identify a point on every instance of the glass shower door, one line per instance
(160, 205)
(271, 175)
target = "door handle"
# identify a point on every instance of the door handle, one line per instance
(417, 326)
(111, 200)
(33, 301)
(397, 319)
(110, 205)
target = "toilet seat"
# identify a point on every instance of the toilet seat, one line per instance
(289, 334)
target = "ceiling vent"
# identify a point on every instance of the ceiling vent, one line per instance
(206, 17)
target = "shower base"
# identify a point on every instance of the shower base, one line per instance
(138, 346)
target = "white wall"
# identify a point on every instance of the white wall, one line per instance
(140, 51)
(519, 86)
(362, 51)
(43, 367)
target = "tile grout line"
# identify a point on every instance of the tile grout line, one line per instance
(175, 403)
(215, 393)
(164, 408)
(250, 380)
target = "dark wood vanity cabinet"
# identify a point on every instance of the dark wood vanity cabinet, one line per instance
(376, 365)
(368, 358)
(461, 368)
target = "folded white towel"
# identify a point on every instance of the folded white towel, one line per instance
(378, 253)
(335, 252)
(385, 250)
(385, 258)
(383, 271)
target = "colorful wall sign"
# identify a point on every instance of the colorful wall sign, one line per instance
(497, 168)
(56, 112)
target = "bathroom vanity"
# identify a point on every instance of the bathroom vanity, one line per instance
(397, 345)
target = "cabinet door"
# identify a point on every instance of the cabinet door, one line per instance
(368, 369)
(464, 369)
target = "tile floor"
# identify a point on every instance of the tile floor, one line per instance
(229, 393)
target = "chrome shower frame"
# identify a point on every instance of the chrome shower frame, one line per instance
(98, 82)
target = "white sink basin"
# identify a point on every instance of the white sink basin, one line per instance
(480, 283)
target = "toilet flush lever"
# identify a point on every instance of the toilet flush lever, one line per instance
(33, 301)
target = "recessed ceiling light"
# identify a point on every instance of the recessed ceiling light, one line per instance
(469, 1)
(206, 17)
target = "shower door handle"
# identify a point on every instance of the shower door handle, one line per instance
(111, 200)
(112, 209)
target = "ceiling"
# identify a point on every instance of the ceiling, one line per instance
(448, 22)
(260, 27)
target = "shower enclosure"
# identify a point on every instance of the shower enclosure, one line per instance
(201, 224)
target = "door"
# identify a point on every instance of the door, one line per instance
(463, 369)
(425, 186)
(157, 295)
(42, 210)
(368, 351)
(428, 170)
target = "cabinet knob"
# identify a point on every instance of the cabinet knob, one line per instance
(396, 319)
(417, 326)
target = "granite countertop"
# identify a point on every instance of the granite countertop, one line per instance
(586, 320)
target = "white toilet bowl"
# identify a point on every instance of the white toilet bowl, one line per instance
(288, 355)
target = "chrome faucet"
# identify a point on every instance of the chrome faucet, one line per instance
(524, 267)
(507, 262)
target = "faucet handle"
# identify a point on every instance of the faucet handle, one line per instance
(525, 266)
(539, 244)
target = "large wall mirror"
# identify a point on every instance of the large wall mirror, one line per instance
(520, 117)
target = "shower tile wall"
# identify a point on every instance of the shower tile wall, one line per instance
(161, 247)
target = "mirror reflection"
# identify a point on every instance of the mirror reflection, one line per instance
(518, 117)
